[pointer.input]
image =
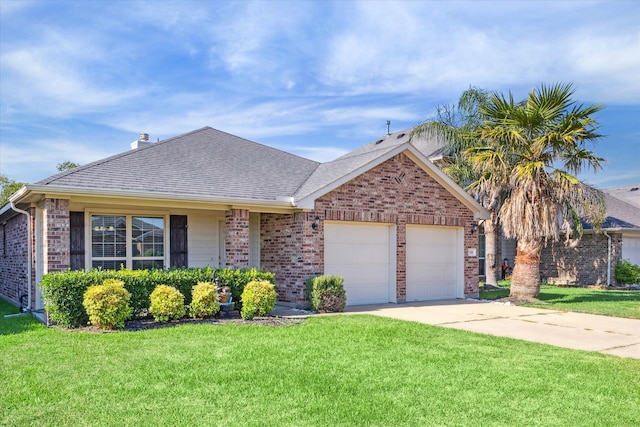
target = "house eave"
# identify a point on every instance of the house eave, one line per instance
(479, 212)
(32, 193)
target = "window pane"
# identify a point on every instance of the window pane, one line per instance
(147, 237)
(108, 235)
(109, 265)
(148, 264)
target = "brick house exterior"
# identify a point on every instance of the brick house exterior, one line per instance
(375, 197)
(583, 264)
(14, 260)
(235, 215)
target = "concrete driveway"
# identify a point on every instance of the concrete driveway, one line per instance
(610, 335)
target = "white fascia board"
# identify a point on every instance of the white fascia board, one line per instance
(414, 154)
(68, 192)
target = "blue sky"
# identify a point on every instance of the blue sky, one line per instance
(79, 80)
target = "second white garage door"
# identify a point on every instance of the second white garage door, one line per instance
(362, 254)
(631, 249)
(434, 263)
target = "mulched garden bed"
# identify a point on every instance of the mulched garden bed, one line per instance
(148, 323)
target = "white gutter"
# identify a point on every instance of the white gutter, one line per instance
(53, 191)
(608, 257)
(29, 281)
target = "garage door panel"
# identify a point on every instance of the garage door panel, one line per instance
(360, 253)
(433, 257)
(631, 249)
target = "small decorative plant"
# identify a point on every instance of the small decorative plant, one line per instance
(167, 303)
(204, 300)
(107, 304)
(258, 299)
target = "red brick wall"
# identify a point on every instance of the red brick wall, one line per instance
(237, 238)
(56, 239)
(289, 249)
(13, 259)
(396, 192)
(584, 264)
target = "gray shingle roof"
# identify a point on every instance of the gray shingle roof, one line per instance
(623, 207)
(431, 148)
(208, 162)
(330, 172)
(205, 162)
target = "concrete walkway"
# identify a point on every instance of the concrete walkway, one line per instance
(610, 335)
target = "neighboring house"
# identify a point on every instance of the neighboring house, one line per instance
(593, 259)
(383, 217)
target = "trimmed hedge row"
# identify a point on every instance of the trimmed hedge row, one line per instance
(62, 292)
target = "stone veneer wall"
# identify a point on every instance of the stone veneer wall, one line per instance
(237, 238)
(583, 265)
(396, 192)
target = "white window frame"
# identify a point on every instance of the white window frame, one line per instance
(129, 236)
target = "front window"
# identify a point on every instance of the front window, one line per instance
(109, 237)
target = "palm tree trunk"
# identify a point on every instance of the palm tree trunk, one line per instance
(525, 280)
(490, 236)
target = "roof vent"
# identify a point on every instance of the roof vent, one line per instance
(401, 135)
(634, 189)
(379, 141)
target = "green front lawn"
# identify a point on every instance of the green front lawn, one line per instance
(583, 300)
(334, 370)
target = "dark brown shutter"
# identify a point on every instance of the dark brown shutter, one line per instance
(178, 242)
(76, 232)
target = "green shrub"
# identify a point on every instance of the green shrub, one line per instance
(107, 304)
(204, 300)
(63, 292)
(326, 294)
(627, 273)
(166, 303)
(237, 279)
(258, 299)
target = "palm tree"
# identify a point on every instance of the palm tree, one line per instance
(527, 161)
(457, 126)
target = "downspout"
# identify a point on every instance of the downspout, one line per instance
(29, 269)
(608, 257)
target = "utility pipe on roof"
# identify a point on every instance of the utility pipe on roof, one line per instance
(29, 281)
(608, 257)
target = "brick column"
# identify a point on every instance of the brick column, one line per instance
(56, 240)
(401, 260)
(236, 245)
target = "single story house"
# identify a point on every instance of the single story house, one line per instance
(384, 217)
(592, 260)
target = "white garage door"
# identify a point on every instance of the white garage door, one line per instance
(361, 254)
(434, 263)
(631, 249)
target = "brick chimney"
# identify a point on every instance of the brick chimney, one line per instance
(142, 141)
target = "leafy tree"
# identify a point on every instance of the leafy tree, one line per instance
(7, 188)
(66, 165)
(457, 126)
(528, 157)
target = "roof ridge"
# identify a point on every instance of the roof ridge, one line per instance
(77, 169)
